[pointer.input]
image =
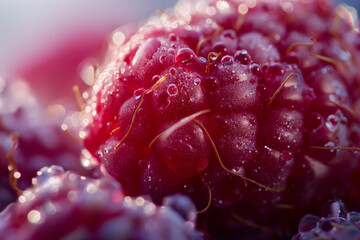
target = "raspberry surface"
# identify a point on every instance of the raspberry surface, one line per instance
(335, 223)
(65, 205)
(31, 135)
(248, 104)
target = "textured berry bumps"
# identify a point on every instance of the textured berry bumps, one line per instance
(35, 135)
(336, 223)
(64, 205)
(236, 102)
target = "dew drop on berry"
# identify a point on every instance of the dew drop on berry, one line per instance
(243, 57)
(227, 59)
(210, 84)
(332, 122)
(197, 81)
(229, 34)
(184, 54)
(354, 216)
(272, 71)
(308, 223)
(172, 37)
(256, 70)
(172, 90)
(219, 47)
(138, 93)
(162, 59)
(172, 71)
(171, 51)
(155, 78)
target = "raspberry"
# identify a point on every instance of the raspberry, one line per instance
(249, 104)
(65, 205)
(40, 140)
(336, 223)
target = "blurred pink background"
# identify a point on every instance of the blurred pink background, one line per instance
(30, 29)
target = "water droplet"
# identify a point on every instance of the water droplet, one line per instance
(227, 60)
(155, 78)
(171, 51)
(219, 47)
(172, 71)
(138, 93)
(197, 81)
(34, 216)
(172, 89)
(210, 84)
(243, 57)
(172, 37)
(162, 59)
(332, 122)
(185, 54)
(256, 70)
(229, 34)
(308, 223)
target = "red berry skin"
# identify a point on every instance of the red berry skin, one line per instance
(256, 102)
(64, 205)
(186, 152)
(40, 140)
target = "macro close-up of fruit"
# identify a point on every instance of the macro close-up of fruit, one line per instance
(213, 119)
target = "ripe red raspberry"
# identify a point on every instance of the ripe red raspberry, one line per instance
(251, 104)
(39, 142)
(64, 205)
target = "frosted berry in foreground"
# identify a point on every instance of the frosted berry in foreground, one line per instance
(253, 105)
(64, 205)
(336, 223)
(40, 141)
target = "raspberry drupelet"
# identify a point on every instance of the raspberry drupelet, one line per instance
(65, 205)
(247, 106)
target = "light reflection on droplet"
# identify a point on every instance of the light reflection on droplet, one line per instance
(222, 5)
(64, 127)
(85, 163)
(22, 199)
(139, 201)
(34, 216)
(118, 38)
(149, 208)
(82, 134)
(243, 9)
(127, 199)
(88, 109)
(349, 14)
(34, 181)
(288, 7)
